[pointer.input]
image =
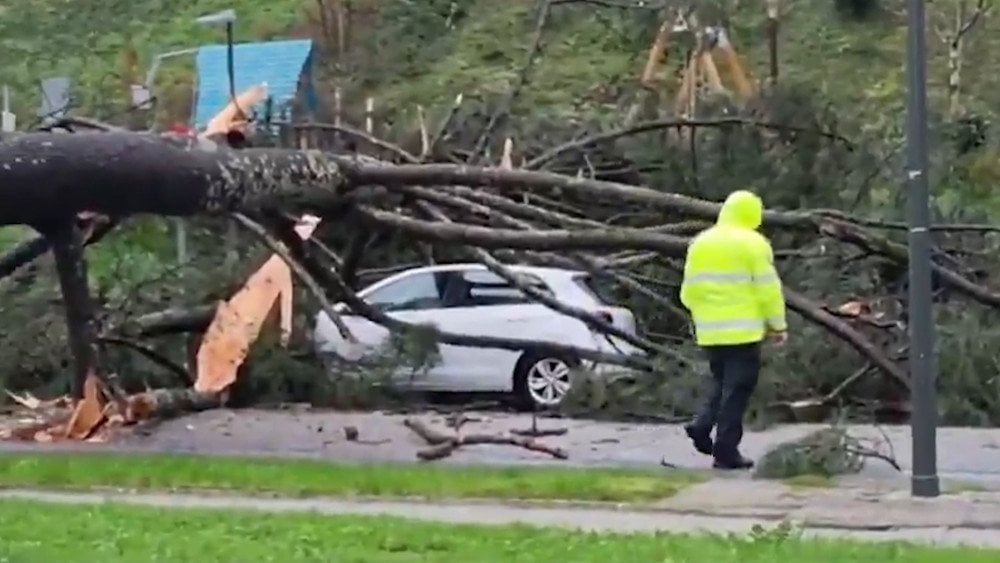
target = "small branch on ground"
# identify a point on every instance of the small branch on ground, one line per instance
(443, 445)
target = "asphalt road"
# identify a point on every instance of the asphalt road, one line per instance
(963, 453)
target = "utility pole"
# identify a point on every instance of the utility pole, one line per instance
(923, 358)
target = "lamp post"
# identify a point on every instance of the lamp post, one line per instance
(923, 364)
(227, 18)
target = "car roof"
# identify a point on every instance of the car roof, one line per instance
(540, 271)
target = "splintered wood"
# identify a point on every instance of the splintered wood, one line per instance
(238, 321)
(236, 325)
(443, 445)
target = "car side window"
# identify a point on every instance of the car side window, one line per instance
(487, 288)
(411, 293)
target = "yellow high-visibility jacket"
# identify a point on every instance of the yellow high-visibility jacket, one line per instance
(730, 284)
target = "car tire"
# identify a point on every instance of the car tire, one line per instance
(541, 380)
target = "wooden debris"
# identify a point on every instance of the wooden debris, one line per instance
(443, 445)
(90, 413)
(238, 321)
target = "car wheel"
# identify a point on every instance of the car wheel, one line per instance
(542, 380)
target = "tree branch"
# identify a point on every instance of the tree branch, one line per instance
(534, 240)
(300, 272)
(657, 125)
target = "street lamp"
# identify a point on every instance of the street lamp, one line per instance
(923, 364)
(227, 18)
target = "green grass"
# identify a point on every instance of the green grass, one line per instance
(956, 487)
(811, 481)
(307, 477)
(40, 532)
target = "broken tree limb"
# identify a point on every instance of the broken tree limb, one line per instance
(300, 272)
(443, 445)
(898, 253)
(530, 240)
(165, 403)
(836, 224)
(47, 177)
(812, 311)
(594, 265)
(367, 173)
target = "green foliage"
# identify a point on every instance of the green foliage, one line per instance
(87, 40)
(826, 452)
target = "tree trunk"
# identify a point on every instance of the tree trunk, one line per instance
(164, 403)
(772, 38)
(45, 178)
(71, 267)
(955, 47)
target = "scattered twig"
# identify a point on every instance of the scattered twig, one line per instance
(443, 445)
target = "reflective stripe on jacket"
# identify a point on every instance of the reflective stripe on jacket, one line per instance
(730, 284)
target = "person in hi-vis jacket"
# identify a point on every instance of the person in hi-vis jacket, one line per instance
(734, 295)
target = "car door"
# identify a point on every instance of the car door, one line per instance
(480, 303)
(408, 297)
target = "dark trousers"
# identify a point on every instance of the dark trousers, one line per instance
(735, 370)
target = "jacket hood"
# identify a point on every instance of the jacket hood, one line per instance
(742, 209)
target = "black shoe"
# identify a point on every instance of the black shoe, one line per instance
(739, 463)
(702, 440)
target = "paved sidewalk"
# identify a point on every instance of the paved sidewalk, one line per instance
(720, 506)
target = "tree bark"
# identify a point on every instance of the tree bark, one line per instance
(47, 177)
(163, 403)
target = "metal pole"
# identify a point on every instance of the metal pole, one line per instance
(923, 365)
(229, 61)
(231, 232)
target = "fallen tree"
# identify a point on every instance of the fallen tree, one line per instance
(50, 179)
